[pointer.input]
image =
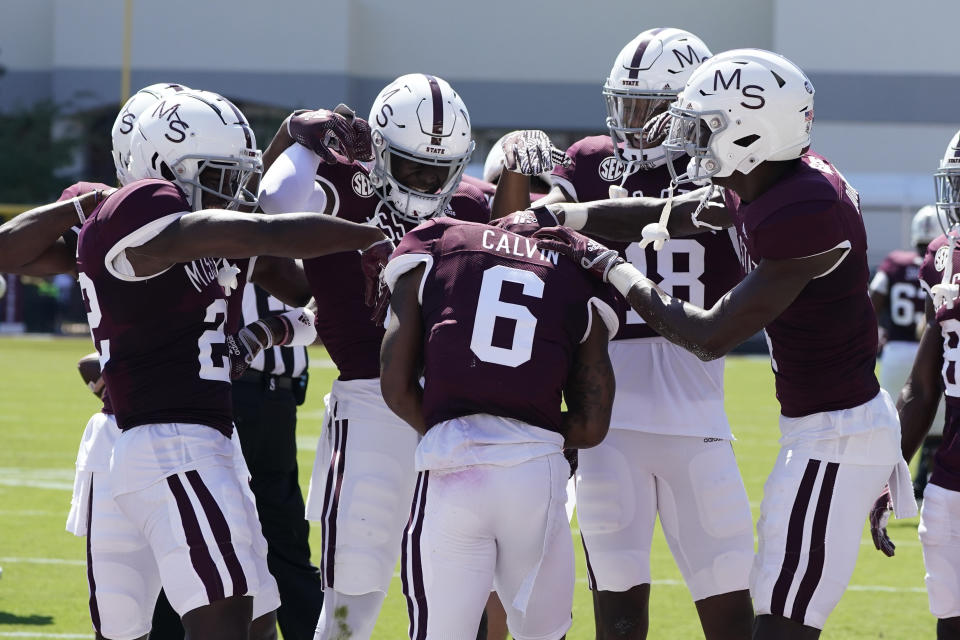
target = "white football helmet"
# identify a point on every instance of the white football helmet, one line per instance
(740, 108)
(419, 124)
(203, 143)
(123, 125)
(947, 182)
(925, 226)
(646, 77)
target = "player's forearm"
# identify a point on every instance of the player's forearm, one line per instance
(295, 235)
(26, 237)
(623, 219)
(405, 398)
(917, 408)
(512, 194)
(708, 334)
(920, 397)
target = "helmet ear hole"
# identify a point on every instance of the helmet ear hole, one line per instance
(166, 172)
(746, 141)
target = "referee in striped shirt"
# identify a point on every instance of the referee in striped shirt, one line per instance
(265, 401)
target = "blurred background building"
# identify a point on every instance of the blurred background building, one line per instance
(884, 79)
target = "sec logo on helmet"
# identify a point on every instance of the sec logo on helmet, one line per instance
(940, 260)
(361, 185)
(611, 169)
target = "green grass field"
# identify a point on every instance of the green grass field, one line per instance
(43, 594)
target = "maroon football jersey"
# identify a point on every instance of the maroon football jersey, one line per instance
(946, 462)
(698, 269)
(160, 339)
(74, 190)
(824, 345)
(905, 297)
(502, 322)
(336, 281)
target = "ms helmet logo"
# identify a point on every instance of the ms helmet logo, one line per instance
(361, 185)
(611, 169)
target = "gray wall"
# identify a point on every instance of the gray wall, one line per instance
(886, 86)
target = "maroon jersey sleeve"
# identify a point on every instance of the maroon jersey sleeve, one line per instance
(799, 230)
(81, 188)
(470, 203)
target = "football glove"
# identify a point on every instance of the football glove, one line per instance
(595, 258)
(322, 130)
(529, 152)
(376, 294)
(879, 516)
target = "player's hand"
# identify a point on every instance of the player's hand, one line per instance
(363, 138)
(656, 129)
(596, 258)
(322, 130)
(529, 152)
(879, 516)
(376, 294)
(242, 348)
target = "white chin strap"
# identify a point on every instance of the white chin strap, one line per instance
(703, 204)
(946, 292)
(656, 232)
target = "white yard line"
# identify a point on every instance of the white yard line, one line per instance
(59, 561)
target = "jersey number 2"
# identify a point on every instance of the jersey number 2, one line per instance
(490, 307)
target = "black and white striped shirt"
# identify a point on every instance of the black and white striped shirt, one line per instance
(279, 361)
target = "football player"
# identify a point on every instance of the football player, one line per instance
(744, 119)
(898, 298)
(933, 376)
(669, 451)
(488, 511)
(151, 276)
(363, 477)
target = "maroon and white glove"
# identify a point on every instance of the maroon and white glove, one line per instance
(596, 258)
(529, 152)
(296, 327)
(376, 294)
(322, 130)
(656, 129)
(879, 516)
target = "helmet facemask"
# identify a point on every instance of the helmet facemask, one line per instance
(218, 182)
(628, 112)
(692, 132)
(947, 184)
(393, 166)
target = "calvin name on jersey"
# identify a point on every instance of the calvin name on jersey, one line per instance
(336, 281)
(680, 267)
(160, 338)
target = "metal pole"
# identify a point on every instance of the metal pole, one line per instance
(125, 72)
